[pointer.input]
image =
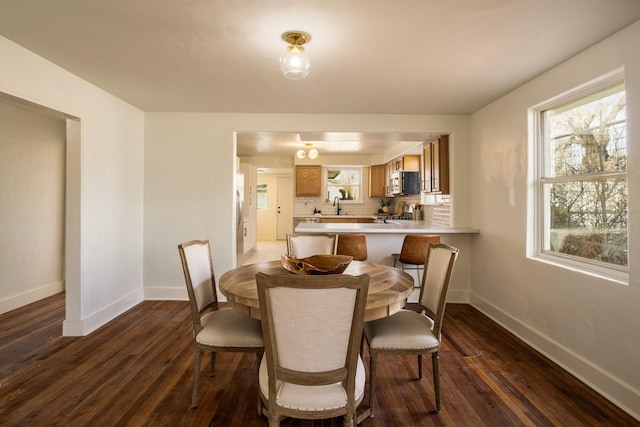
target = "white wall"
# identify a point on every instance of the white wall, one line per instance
(588, 325)
(104, 186)
(189, 166)
(32, 178)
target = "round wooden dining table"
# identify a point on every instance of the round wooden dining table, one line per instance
(389, 287)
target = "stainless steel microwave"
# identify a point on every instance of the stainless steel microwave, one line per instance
(404, 182)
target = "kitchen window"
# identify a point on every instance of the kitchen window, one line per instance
(580, 177)
(345, 182)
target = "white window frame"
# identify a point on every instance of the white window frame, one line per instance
(537, 214)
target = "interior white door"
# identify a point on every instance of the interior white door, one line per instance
(285, 207)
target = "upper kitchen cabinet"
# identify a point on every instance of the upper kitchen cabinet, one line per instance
(436, 165)
(308, 181)
(388, 169)
(409, 162)
(378, 181)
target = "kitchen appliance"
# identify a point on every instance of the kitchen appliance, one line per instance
(240, 223)
(405, 182)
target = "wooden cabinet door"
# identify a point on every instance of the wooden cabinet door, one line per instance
(388, 169)
(436, 166)
(377, 181)
(441, 165)
(427, 160)
(411, 162)
(338, 220)
(308, 181)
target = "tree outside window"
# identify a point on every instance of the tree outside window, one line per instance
(345, 183)
(584, 181)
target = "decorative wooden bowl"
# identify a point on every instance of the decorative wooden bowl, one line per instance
(316, 264)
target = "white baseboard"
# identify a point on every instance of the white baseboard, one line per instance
(458, 297)
(92, 322)
(612, 388)
(16, 301)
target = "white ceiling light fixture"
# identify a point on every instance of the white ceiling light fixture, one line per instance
(295, 64)
(312, 153)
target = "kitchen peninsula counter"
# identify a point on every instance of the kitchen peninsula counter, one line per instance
(402, 227)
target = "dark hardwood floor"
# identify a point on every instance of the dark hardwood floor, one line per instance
(137, 370)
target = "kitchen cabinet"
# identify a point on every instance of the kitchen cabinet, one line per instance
(388, 169)
(250, 210)
(344, 220)
(308, 181)
(436, 165)
(409, 162)
(378, 181)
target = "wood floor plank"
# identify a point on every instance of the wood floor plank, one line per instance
(138, 370)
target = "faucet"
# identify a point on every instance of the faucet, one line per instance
(336, 203)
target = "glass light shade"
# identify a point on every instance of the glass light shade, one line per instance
(296, 63)
(300, 154)
(313, 153)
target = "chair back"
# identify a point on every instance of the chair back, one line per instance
(415, 246)
(435, 282)
(302, 245)
(312, 326)
(354, 245)
(197, 266)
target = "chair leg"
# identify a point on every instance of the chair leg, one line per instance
(420, 367)
(274, 421)
(435, 357)
(348, 420)
(196, 378)
(213, 364)
(373, 361)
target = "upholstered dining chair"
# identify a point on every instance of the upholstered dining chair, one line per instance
(415, 332)
(414, 252)
(311, 368)
(302, 245)
(354, 244)
(214, 330)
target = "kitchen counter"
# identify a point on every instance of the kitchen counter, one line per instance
(334, 216)
(390, 227)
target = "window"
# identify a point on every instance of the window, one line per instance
(581, 182)
(262, 195)
(345, 182)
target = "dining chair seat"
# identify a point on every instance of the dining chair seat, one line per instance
(227, 327)
(312, 398)
(417, 332)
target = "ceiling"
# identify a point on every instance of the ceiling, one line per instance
(368, 56)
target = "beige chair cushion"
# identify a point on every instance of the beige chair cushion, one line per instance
(228, 328)
(312, 398)
(416, 332)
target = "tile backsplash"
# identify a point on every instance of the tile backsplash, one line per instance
(437, 207)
